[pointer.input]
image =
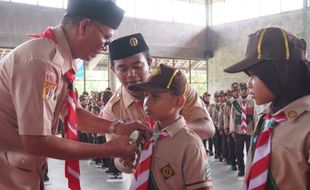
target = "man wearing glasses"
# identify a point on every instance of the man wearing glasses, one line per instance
(36, 89)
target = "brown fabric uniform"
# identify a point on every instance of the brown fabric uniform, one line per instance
(32, 94)
(290, 162)
(180, 160)
(121, 106)
(226, 114)
(236, 127)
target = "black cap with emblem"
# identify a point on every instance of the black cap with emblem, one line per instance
(103, 11)
(127, 46)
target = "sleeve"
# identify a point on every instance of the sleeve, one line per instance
(194, 107)
(196, 169)
(33, 88)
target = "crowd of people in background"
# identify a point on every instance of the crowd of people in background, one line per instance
(233, 113)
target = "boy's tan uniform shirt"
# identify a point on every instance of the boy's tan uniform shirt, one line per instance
(32, 95)
(236, 127)
(290, 148)
(179, 160)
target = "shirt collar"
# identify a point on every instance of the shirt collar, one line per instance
(296, 108)
(128, 98)
(174, 127)
(64, 50)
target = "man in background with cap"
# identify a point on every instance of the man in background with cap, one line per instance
(36, 88)
(242, 116)
(131, 63)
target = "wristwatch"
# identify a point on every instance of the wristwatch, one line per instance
(112, 126)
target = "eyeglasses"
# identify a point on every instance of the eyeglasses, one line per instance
(107, 41)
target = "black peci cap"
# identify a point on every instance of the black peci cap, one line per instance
(103, 11)
(163, 78)
(127, 46)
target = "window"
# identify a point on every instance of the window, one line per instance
(182, 12)
(223, 11)
(145, 9)
(33, 2)
(52, 3)
(198, 15)
(289, 5)
(129, 6)
(163, 10)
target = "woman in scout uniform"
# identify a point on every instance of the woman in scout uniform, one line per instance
(279, 74)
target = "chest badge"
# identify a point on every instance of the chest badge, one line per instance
(167, 172)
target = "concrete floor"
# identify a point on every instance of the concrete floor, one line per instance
(93, 178)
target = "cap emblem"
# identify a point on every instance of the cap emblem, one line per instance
(133, 42)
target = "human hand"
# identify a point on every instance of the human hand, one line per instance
(121, 147)
(128, 128)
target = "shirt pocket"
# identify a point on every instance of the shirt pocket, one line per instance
(20, 160)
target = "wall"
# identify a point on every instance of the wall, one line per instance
(165, 39)
(229, 43)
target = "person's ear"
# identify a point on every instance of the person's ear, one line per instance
(150, 62)
(181, 100)
(112, 68)
(84, 26)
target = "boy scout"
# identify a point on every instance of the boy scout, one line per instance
(242, 125)
(279, 76)
(206, 99)
(36, 79)
(131, 62)
(179, 159)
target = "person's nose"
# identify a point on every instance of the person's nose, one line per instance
(132, 73)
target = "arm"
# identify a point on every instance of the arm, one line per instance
(196, 115)
(59, 148)
(203, 127)
(91, 123)
(94, 124)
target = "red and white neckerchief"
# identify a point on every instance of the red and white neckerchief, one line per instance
(258, 173)
(141, 178)
(243, 115)
(72, 168)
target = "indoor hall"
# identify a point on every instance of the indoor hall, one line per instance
(201, 38)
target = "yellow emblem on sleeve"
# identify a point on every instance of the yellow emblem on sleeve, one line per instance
(167, 171)
(48, 90)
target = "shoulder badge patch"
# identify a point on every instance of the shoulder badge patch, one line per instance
(292, 114)
(49, 85)
(167, 171)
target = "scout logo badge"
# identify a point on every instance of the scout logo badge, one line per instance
(133, 42)
(49, 85)
(167, 171)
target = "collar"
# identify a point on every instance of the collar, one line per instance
(128, 98)
(296, 108)
(65, 50)
(174, 127)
